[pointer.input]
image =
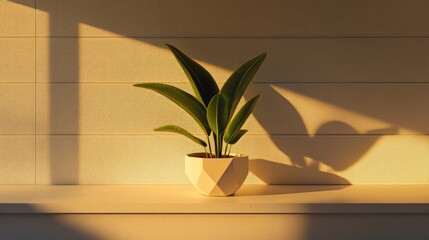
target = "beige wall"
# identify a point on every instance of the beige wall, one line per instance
(344, 88)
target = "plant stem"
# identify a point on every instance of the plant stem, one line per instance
(218, 140)
(221, 144)
(210, 146)
(226, 148)
(218, 148)
(215, 143)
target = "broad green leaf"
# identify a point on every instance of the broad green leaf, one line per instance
(237, 83)
(237, 136)
(179, 130)
(202, 82)
(185, 100)
(241, 117)
(217, 114)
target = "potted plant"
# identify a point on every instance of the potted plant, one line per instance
(216, 171)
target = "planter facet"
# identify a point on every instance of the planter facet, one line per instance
(216, 176)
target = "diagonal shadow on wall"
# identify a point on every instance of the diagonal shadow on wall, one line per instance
(143, 21)
(147, 20)
(307, 152)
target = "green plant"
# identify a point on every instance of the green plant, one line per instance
(212, 109)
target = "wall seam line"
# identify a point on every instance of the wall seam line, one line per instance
(240, 37)
(35, 92)
(310, 83)
(253, 134)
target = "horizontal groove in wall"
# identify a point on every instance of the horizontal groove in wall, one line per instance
(230, 37)
(16, 134)
(233, 37)
(200, 135)
(31, 37)
(15, 82)
(224, 37)
(222, 82)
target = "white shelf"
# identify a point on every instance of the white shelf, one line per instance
(184, 199)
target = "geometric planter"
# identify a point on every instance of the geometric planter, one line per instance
(216, 177)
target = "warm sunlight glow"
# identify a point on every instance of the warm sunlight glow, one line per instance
(402, 159)
(382, 158)
(133, 59)
(93, 127)
(316, 113)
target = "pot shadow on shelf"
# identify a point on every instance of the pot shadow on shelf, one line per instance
(307, 153)
(278, 189)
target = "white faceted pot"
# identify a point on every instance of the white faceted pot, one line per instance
(216, 176)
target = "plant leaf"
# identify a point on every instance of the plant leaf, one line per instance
(179, 130)
(237, 83)
(237, 136)
(202, 82)
(217, 114)
(185, 100)
(239, 119)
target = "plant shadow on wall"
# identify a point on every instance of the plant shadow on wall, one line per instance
(136, 20)
(308, 153)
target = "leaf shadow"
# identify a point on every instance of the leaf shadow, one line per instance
(307, 152)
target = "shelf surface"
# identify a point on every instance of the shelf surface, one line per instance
(172, 199)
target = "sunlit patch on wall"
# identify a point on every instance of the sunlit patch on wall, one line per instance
(133, 59)
(392, 159)
(318, 117)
